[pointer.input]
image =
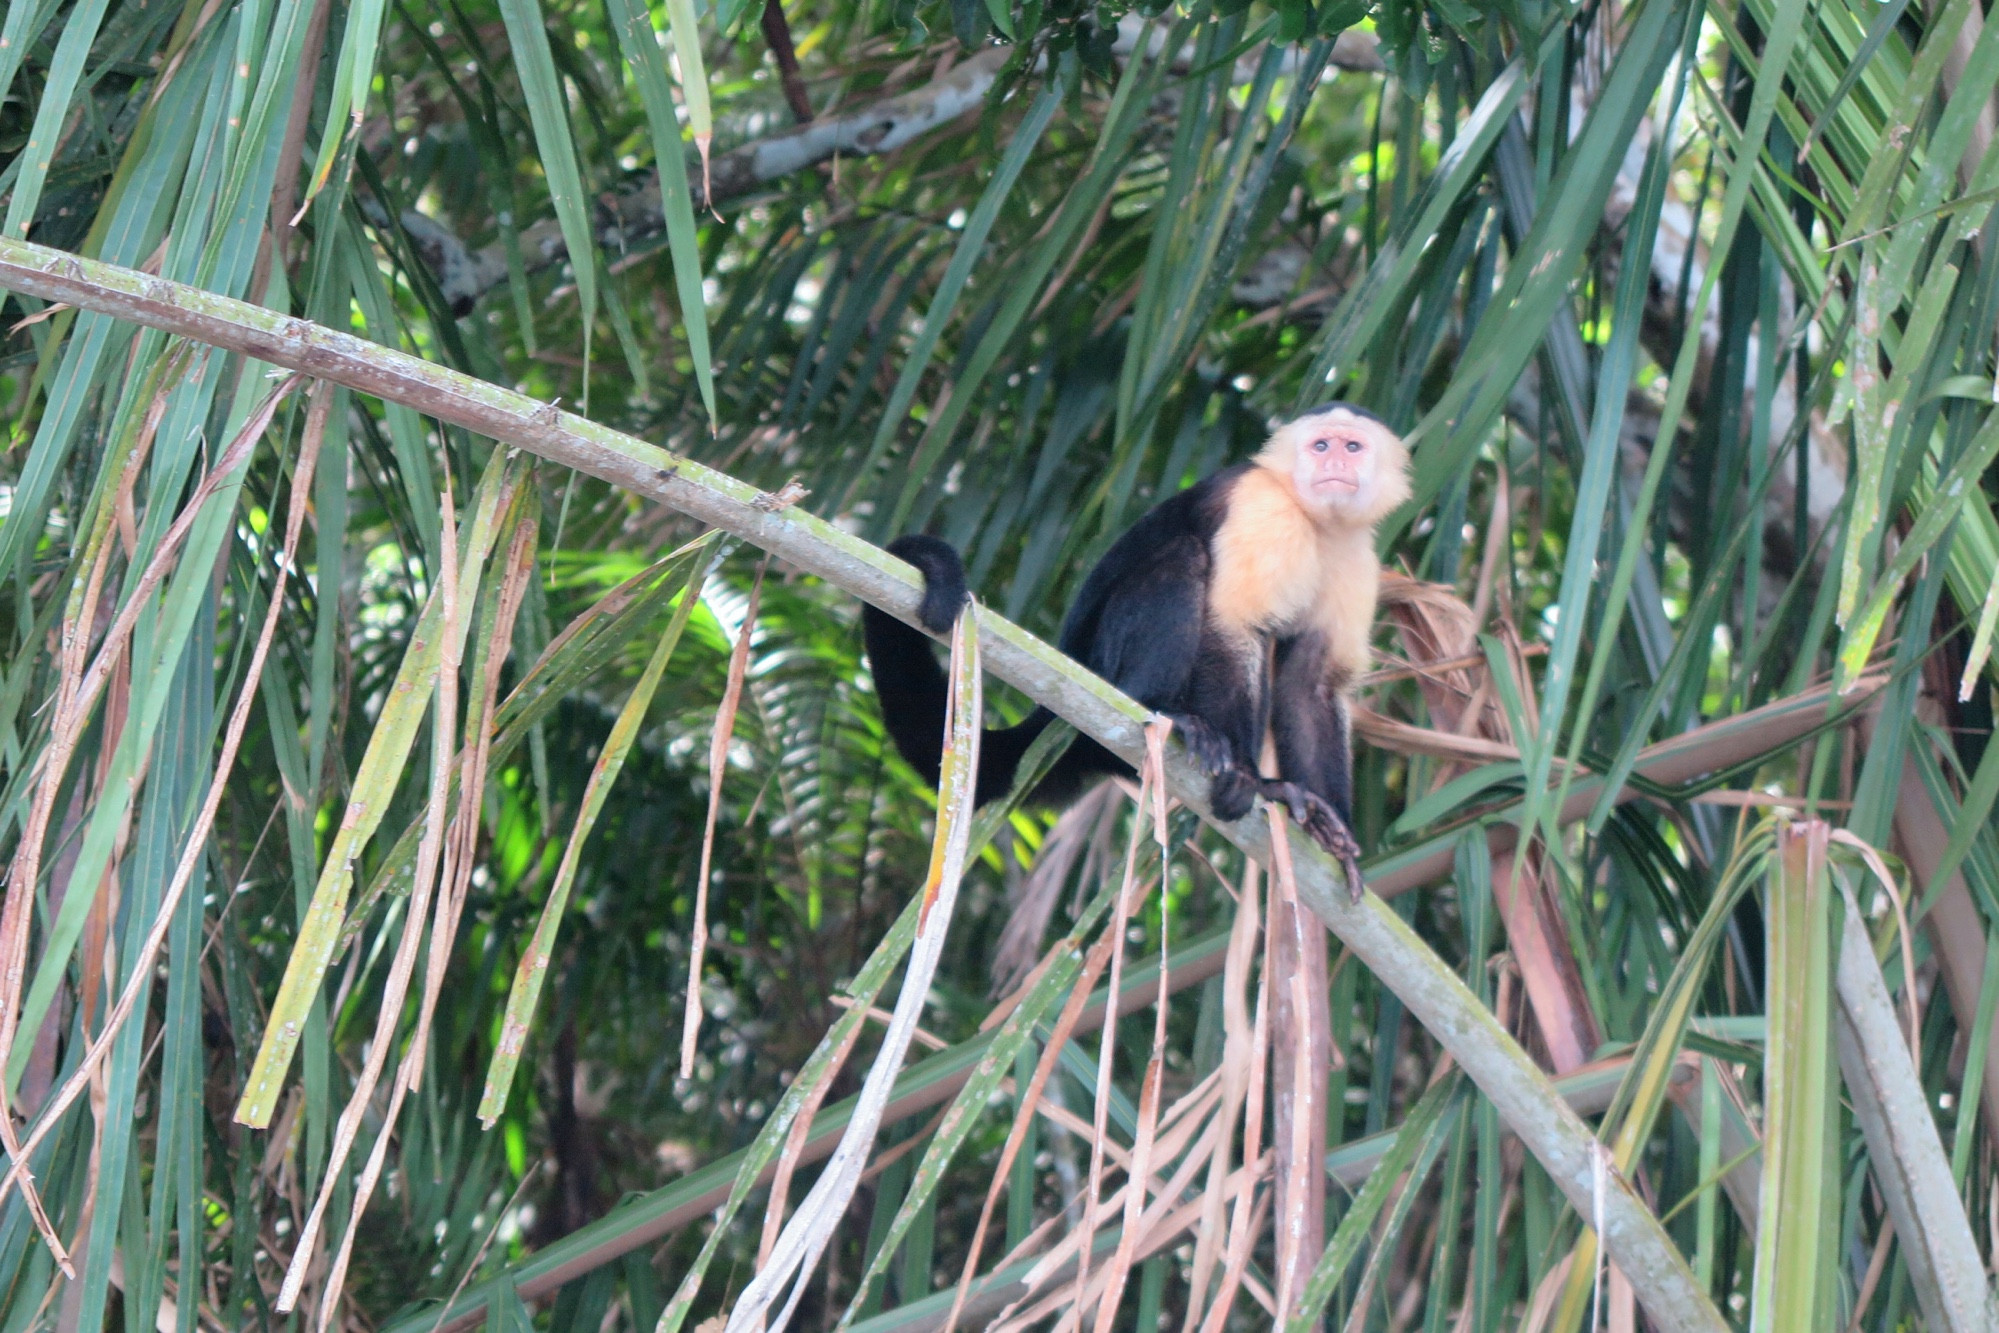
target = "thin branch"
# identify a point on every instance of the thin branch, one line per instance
(1518, 1089)
(636, 215)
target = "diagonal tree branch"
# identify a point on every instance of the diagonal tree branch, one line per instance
(1522, 1094)
(1904, 1152)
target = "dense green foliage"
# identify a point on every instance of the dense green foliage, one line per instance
(1697, 431)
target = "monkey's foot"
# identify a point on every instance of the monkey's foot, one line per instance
(1312, 813)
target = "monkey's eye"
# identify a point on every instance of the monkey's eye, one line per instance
(1319, 446)
(1353, 446)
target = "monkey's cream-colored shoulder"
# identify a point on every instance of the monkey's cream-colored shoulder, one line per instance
(1266, 556)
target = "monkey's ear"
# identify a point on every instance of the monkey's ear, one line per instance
(943, 573)
(1395, 456)
(1399, 487)
(1392, 468)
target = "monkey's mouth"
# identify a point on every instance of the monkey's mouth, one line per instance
(1340, 483)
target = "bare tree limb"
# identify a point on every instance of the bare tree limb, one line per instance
(635, 215)
(465, 274)
(1518, 1089)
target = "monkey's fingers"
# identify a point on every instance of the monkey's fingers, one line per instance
(1208, 746)
(1356, 886)
(1233, 792)
(1323, 823)
(1348, 852)
(1307, 811)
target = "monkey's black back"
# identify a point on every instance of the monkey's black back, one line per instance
(1136, 622)
(1138, 617)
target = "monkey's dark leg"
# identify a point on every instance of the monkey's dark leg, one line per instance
(1310, 726)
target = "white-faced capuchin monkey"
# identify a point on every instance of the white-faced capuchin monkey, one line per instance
(1241, 608)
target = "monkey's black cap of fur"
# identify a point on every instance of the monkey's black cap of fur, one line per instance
(1337, 406)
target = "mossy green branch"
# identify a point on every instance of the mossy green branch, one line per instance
(1430, 990)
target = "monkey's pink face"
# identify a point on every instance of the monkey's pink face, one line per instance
(1346, 466)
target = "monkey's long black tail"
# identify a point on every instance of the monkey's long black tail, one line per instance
(914, 690)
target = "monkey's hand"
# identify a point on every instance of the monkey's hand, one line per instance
(1211, 749)
(1234, 788)
(1312, 813)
